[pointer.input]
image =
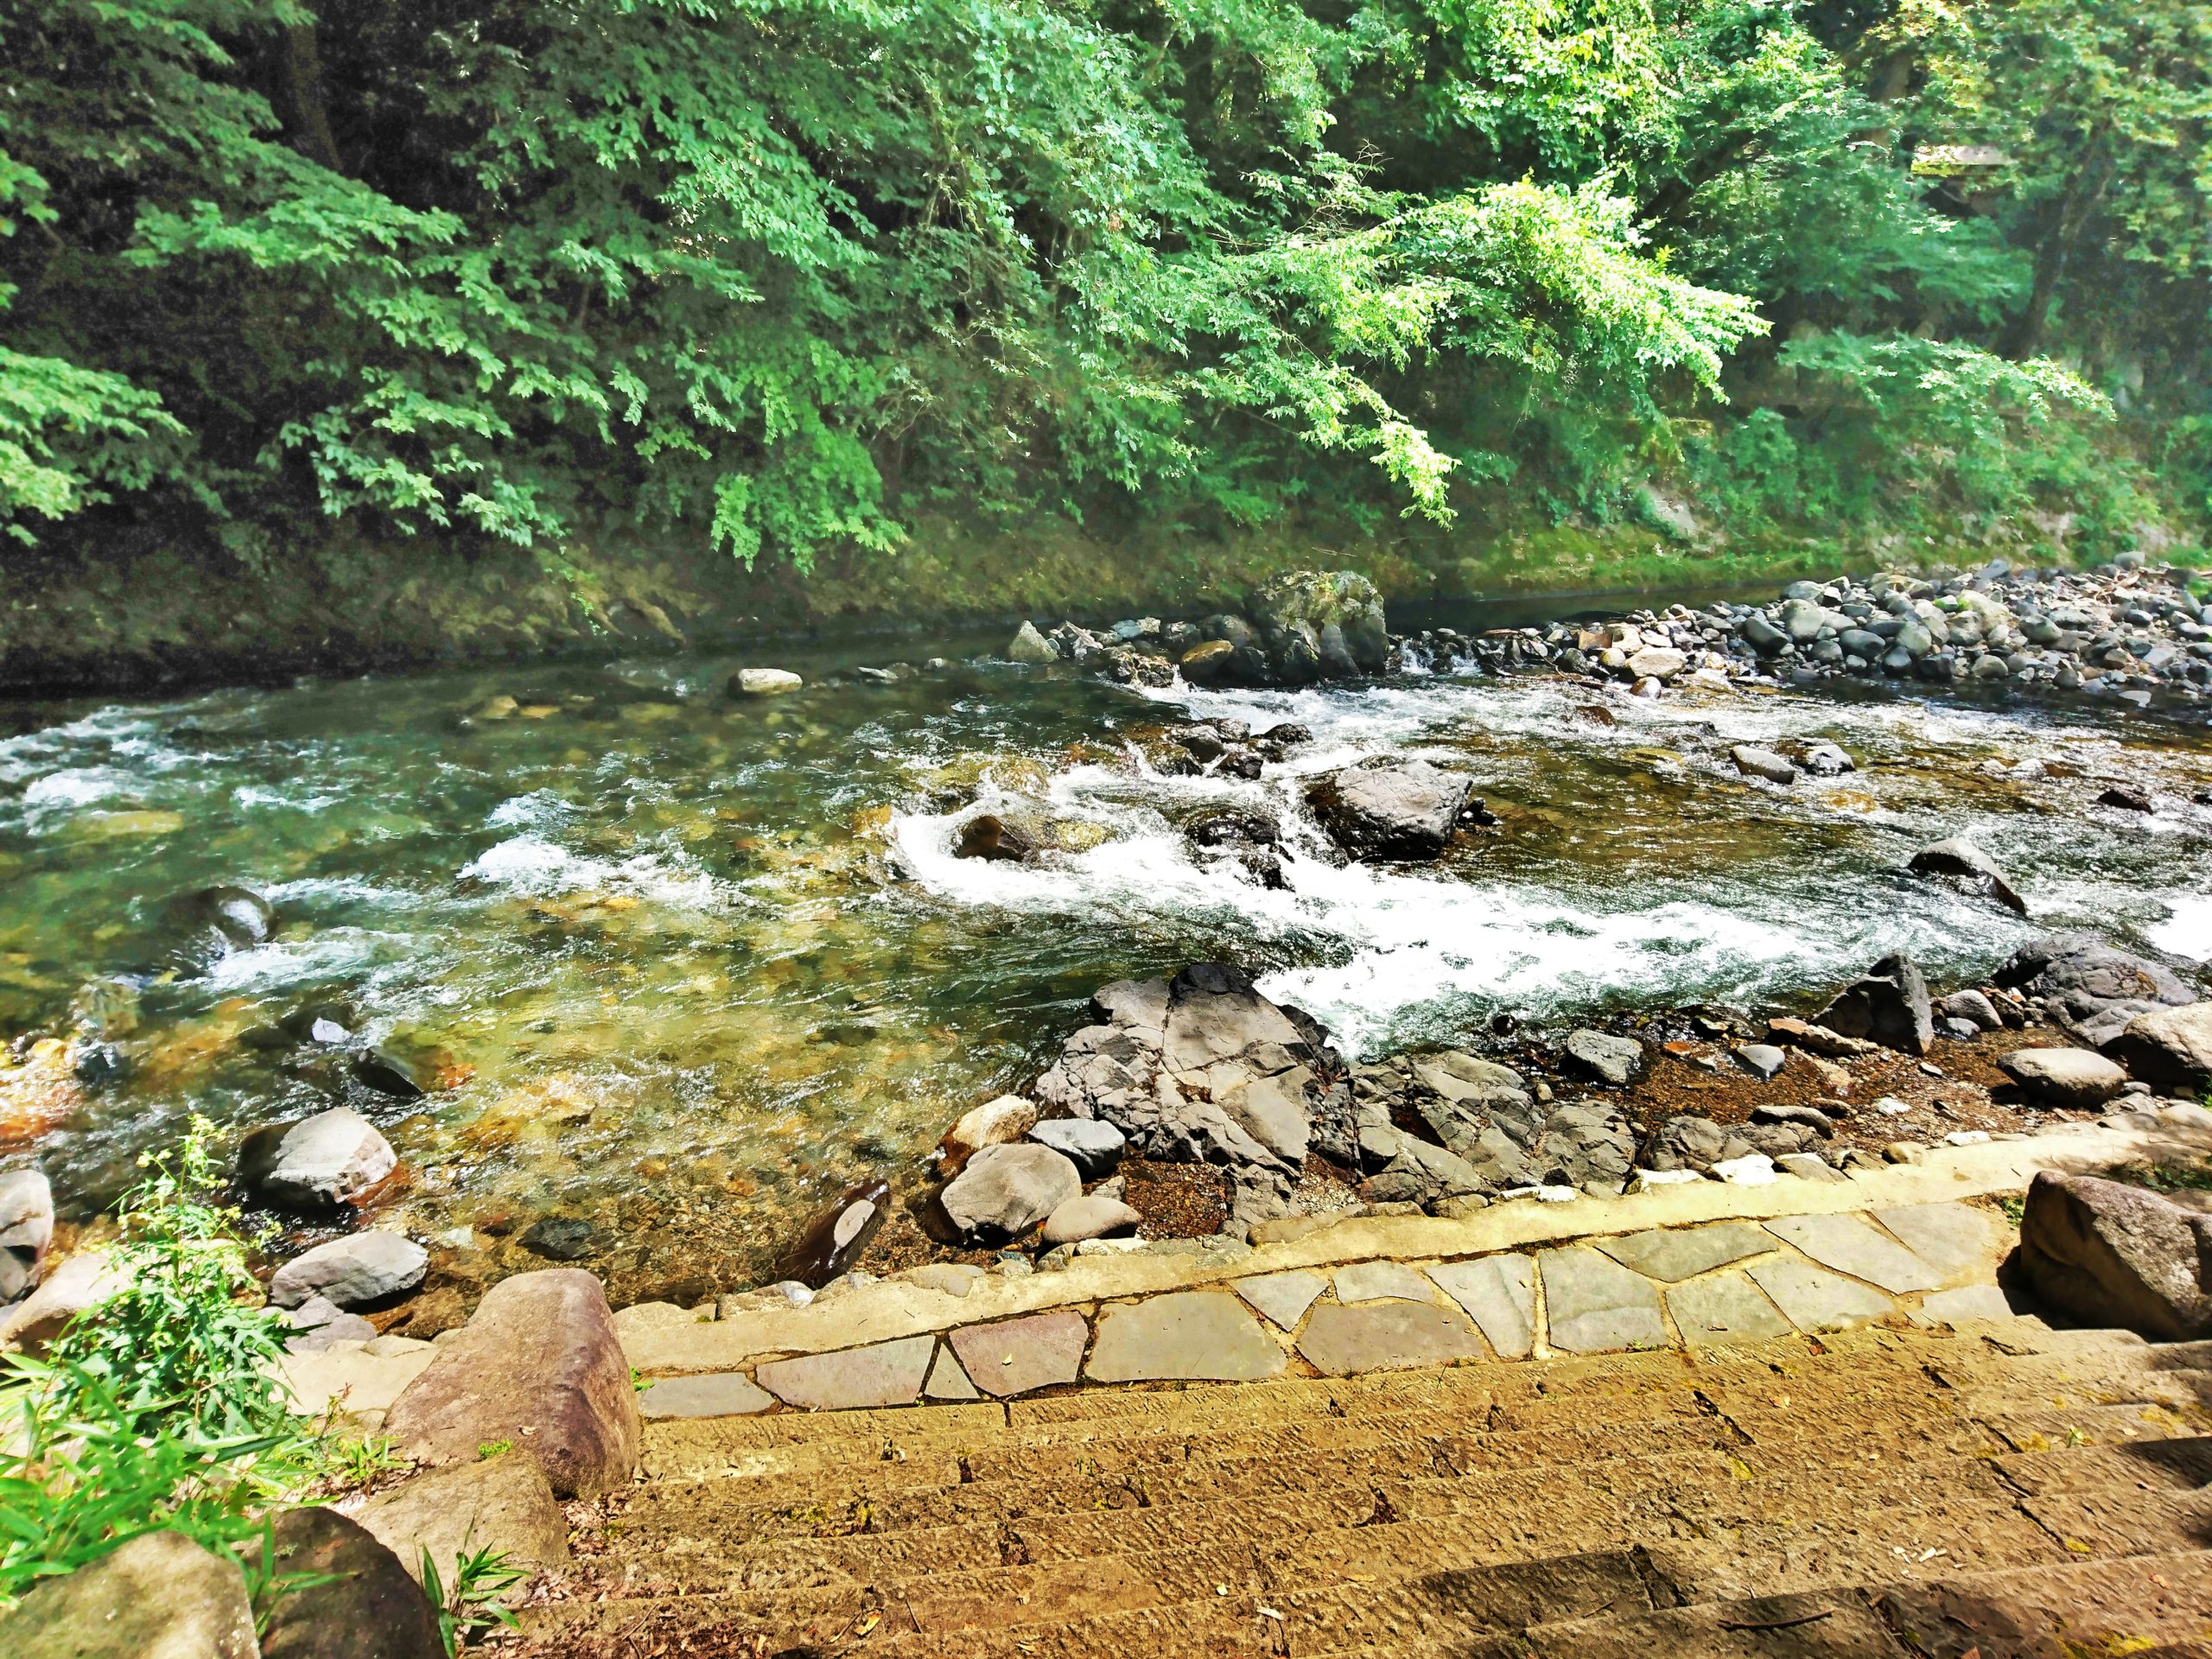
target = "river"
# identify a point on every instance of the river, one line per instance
(682, 963)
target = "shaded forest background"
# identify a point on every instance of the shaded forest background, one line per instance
(833, 286)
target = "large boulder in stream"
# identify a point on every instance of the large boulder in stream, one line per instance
(1965, 866)
(1201, 1069)
(210, 924)
(1321, 625)
(2091, 992)
(1386, 808)
(2172, 1046)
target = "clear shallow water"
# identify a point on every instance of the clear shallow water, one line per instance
(689, 964)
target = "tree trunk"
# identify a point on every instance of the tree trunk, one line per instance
(2076, 206)
(300, 63)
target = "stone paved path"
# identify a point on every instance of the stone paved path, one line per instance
(1695, 1287)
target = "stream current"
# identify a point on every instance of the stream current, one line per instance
(685, 963)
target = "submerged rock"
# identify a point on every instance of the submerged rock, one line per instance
(1385, 809)
(560, 1238)
(1966, 865)
(215, 921)
(986, 835)
(836, 1235)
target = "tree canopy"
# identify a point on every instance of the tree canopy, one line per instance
(776, 275)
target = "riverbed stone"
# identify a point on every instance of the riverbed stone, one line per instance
(2111, 1254)
(26, 1230)
(1092, 1217)
(1370, 1281)
(1817, 1300)
(1499, 1294)
(1592, 1304)
(362, 1604)
(83, 1281)
(1016, 1356)
(1673, 1254)
(2091, 990)
(1616, 1060)
(2079, 1079)
(994, 1123)
(883, 1374)
(947, 1381)
(2171, 1046)
(161, 1596)
(1755, 762)
(1030, 646)
(540, 1364)
(1008, 1189)
(1852, 1244)
(321, 1322)
(1190, 1336)
(1724, 1307)
(1393, 809)
(763, 681)
(1967, 866)
(1093, 1145)
(317, 1163)
(1283, 1297)
(361, 1270)
(1763, 1060)
(1888, 1004)
(711, 1394)
(503, 1503)
(1386, 1336)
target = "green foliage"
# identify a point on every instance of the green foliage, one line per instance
(471, 1603)
(777, 277)
(149, 1412)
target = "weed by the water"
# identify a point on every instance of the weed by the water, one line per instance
(471, 1603)
(2184, 1176)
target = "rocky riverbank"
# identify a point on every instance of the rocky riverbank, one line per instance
(2127, 631)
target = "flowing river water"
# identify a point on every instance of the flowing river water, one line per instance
(687, 963)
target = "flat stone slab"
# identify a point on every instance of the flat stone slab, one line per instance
(1190, 1336)
(1963, 1305)
(1370, 1281)
(948, 1382)
(1817, 1300)
(1592, 1304)
(1676, 1254)
(716, 1394)
(1020, 1355)
(1952, 1239)
(1499, 1293)
(1283, 1297)
(1726, 1307)
(886, 1374)
(1386, 1336)
(1854, 1245)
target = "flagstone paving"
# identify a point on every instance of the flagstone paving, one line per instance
(1499, 1293)
(1283, 1297)
(1185, 1336)
(1370, 1281)
(1724, 1307)
(1854, 1245)
(1386, 1336)
(1817, 1300)
(1699, 1287)
(1679, 1253)
(1595, 1305)
(885, 1374)
(1016, 1356)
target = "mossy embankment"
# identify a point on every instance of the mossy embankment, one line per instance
(149, 615)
